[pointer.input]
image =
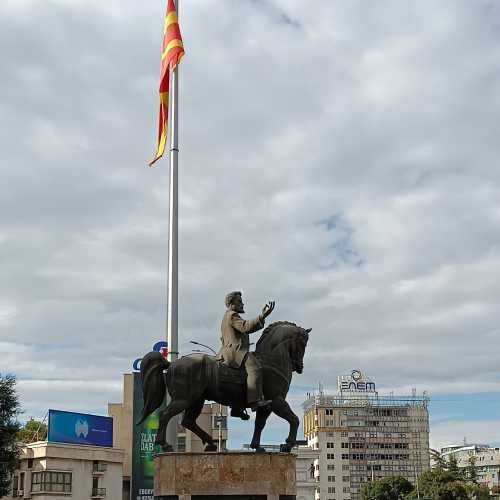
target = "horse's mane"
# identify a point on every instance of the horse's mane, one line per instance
(267, 334)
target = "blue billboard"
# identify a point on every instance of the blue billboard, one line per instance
(80, 428)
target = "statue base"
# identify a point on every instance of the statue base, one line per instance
(229, 475)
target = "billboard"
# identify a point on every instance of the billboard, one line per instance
(80, 428)
(143, 438)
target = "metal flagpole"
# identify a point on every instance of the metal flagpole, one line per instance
(172, 287)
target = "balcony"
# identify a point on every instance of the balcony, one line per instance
(98, 492)
(99, 468)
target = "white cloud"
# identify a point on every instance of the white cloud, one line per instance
(339, 159)
(455, 432)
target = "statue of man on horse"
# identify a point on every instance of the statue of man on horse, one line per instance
(235, 377)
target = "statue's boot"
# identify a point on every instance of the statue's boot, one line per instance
(240, 413)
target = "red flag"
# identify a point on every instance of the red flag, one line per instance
(171, 53)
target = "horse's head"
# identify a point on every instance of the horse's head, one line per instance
(287, 338)
(298, 348)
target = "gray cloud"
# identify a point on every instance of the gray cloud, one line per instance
(339, 159)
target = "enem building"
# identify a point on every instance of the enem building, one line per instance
(361, 436)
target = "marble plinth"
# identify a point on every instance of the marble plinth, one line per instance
(230, 476)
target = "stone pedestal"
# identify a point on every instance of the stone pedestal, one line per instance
(230, 476)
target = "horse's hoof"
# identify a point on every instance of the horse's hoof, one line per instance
(285, 448)
(211, 447)
(259, 449)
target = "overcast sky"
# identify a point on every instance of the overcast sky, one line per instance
(338, 157)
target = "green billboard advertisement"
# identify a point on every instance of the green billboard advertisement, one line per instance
(143, 438)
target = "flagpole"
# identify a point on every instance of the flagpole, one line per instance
(173, 247)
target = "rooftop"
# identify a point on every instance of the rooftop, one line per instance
(364, 400)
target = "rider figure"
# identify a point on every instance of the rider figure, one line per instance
(236, 345)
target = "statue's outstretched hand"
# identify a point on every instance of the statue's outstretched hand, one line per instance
(268, 309)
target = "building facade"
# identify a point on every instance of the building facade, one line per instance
(486, 460)
(49, 470)
(361, 436)
(305, 472)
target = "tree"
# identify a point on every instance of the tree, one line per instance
(477, 491)
(453, 468)
(438, 459)
(9, 411)
(33, 430)
(440, 484)
(470, 470)
(389, 488)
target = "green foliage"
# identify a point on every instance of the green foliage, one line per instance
(33, 430)
(470, 470)
(438, 459)
(477, 492)
(452, 467)
(389, 488)
(440, 484)
(9, 411)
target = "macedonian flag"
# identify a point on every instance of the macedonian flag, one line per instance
(172, 51)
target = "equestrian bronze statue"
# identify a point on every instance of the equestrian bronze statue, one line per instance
(193, 379)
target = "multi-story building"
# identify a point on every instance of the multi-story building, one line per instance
(49, 470)
(486, 461)
(362, 436)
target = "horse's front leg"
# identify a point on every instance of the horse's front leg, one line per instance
(283, 410)
(260, 422)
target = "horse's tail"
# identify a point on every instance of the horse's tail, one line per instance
(153, 382)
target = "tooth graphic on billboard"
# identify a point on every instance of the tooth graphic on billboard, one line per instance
(81, 428)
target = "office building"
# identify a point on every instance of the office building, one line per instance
(49, 470)
(362, 436)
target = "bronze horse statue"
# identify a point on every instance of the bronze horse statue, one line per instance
(191, 380)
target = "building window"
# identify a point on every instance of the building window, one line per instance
(15, 485)
(345, 445)
(330, 467)
(330, 456)
(331, 489)
(345, 479)
(345, 456)
(344, 434)
(181, 443)
(345, 467)
(329, 444)
(219, 418)
(51, 481)
(331, 479)
(346, 489)
(30, 463)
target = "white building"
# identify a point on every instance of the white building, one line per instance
(485, 458)
(79, 472)
(305, 478)
(361, 436)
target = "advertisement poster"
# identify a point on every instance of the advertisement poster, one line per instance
(143, 438)
(80, 428)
